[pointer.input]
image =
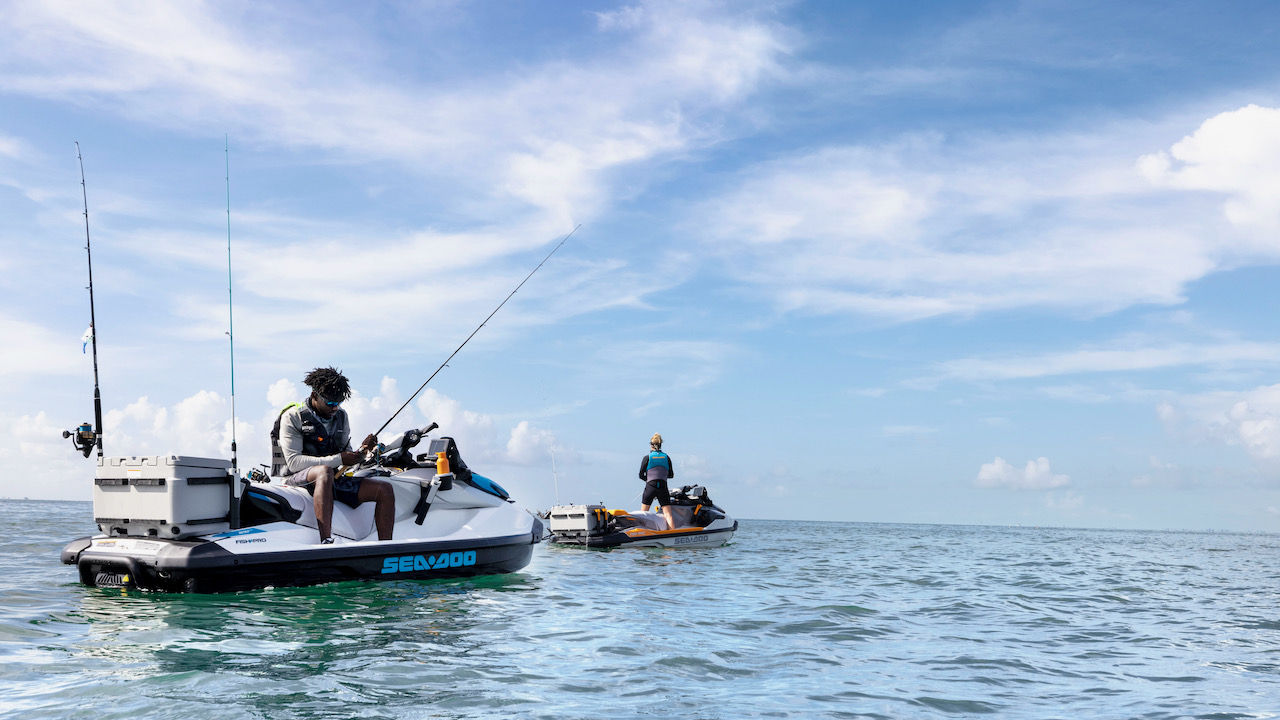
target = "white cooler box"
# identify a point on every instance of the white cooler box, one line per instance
(166, 496)
(578, 519)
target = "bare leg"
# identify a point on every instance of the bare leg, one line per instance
(644, 507)
(384, 511)
(322, 496)
(666, 512)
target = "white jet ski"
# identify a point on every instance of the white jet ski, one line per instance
(699, 523)
(184, 524)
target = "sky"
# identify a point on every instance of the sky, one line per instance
(959, 262)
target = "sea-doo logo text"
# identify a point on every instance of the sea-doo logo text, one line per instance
(410, 563)
(690, 539)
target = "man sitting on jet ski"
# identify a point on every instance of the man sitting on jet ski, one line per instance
(315, 439)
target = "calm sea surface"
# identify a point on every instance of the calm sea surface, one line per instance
(794, 620)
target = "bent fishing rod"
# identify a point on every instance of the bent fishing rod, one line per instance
(473, 332)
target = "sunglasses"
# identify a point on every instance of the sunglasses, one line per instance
(330, 403)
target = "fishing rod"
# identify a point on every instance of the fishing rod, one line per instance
(234, 513)
(87, 437)
(555, 477)
(473, 332)
(231, 325)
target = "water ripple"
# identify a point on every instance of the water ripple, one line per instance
(792, 620)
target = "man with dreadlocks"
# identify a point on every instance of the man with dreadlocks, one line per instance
(315, 439)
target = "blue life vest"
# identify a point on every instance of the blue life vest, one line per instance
(659, 467)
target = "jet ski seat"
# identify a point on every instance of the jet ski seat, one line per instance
(263, 505)
(348, 522)
(656, 520)
(646, 520)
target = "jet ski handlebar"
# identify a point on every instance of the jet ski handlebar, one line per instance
(400, 446)
(409, 439)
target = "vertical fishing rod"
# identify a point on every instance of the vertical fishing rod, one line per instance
(231, 327)
(555, 477)
(86, 438)
(473, 332)
(234, 509)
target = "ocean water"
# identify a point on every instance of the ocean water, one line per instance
(791, 620)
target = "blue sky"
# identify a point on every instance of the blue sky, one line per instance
(999, 262)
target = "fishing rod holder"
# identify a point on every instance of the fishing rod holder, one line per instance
(84, 439)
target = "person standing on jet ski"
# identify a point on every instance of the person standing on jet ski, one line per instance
(655, 469)
(315, 439)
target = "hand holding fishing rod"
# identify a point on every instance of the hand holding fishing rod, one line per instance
(371, 452)
(362, 454)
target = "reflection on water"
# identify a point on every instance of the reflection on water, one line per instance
(304, 649)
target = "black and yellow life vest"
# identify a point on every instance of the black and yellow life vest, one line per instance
(316, 441)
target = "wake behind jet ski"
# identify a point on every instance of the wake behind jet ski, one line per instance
(181, 523)
(699, 522)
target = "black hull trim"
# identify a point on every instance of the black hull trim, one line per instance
(204, 567)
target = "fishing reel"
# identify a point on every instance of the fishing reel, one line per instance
(83, 439)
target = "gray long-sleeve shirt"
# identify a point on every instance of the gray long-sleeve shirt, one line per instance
(291, 439)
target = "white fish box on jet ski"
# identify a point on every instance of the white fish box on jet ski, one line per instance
(699, 523)
(171, 496)
(446, 525)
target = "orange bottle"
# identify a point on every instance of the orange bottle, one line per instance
(442, 464)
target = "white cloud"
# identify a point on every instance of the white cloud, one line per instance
(1075, 393)
(547, 135)
(1035, 476)
(833, 196)
(657, 372)
(915, 232)
(38, 350)
(386, 286)
(1066, 501)
(1249, 419)
(200, 425)
(281, 393)
(197, 425)
(528, 445)
(13, 147)
(1236, 153)
(1109, 360)
(933, 225)
(1163, 473)
(485, 439)
(33, 441)
(524, 153)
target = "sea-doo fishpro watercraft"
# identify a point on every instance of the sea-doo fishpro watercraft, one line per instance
(185, 524)
(699, 523)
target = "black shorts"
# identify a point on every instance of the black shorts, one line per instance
(656, 489)
(346, 490)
